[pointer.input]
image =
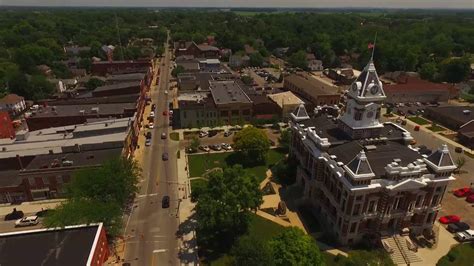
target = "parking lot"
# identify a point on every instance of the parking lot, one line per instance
(409, 109)
(219, 138)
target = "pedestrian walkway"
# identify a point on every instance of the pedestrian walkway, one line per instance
(30, 207)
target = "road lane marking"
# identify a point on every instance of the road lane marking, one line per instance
(147, 195)
(159, 250)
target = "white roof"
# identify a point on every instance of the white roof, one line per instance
(285, 98)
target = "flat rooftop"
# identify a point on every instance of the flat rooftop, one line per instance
(456, 113)
(119, 86)
(69, 246)
(312, 85)
(126, 77)
(227, 92)
(109, 133)
(202, 79)
(85, 109)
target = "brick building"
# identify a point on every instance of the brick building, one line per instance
(360, 177)
(76, 245)
(197, 50)
(103, 68)
(6, 126)
(313, 90)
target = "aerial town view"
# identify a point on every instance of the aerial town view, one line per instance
(263, 133)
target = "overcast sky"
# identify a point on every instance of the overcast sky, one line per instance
(252, 3)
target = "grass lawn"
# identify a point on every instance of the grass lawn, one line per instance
(436, 128)
(200, 163)
(418, 120)
(174, 136)
(462, 254)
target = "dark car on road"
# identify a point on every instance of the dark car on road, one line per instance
(148, 135)
(212, 133)
(14, 215)
(164, 156)
(165, 202)
(458, 227)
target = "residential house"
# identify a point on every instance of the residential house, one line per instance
(13, 104)
(198, 51)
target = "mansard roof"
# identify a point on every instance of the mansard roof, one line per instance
(441, 158)
(300, 113)
(360, 166)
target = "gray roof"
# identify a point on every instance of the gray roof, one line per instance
(441, 157)
(379, 157)
(126, 77)
(92, 136)
(226, 92)
(74, 110)
(68, 246)
(360, 165)
(119, 86)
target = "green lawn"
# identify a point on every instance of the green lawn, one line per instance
(419, 120)
(460, 255)
(436, 128)
(200, 163)
(174, 136)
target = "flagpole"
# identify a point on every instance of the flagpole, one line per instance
(373, 48)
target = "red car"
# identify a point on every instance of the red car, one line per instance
(165, 113)
(449, 219)
(463, 192)
(470, 198)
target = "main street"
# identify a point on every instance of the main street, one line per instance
(150, 231)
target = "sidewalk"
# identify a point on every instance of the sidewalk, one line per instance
(188, 253)
(30, 207)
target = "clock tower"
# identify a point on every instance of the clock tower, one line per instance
(361, 116)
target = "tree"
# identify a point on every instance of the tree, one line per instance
(256, 59)
(93, 83)
(252, 251)
(39, 88)
(460, 161)
(455, 70)
(253, 143)
(177, 70)
(293, 247)
(428, 71)
(85, 63)
(98, 195)
(298, 59)
(246, 79)
(285, 171)
(115, 181)
(195, 142)
(224, 205)
(284, 139)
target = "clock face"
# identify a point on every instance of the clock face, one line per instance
(375, 89)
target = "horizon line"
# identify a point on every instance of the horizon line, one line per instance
(468, 9)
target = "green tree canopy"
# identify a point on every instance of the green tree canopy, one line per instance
(294, 247)
(252, 251)
(298, 59)
(284, 139)
(455, 70)
(428, 71)
(253, 143)
(177, 70)
(246, 79)
(224, 205)
(93, 83)
(256, 59)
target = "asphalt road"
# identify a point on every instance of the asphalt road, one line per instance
(150, 232)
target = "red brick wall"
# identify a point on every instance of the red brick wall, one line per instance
(101, 252)
(6, 127)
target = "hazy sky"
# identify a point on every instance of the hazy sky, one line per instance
(469, 4)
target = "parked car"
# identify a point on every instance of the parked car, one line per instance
(216, 147)
(470, 198)
(458, 227)
(465, 236)
(148, 142)
(165, 202)
(151, 125)
(14, 215)
(203, 134)
(227, 133)
(226, 146)
(417, 128)
(212, 133)
(152, 114)
(463, 192)
(170, 112)
(27, 221)
(449, 219)
(43, 213)
(153, 107)
(204, 148)
(163, 135)
(458, 149)
(164, 156)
